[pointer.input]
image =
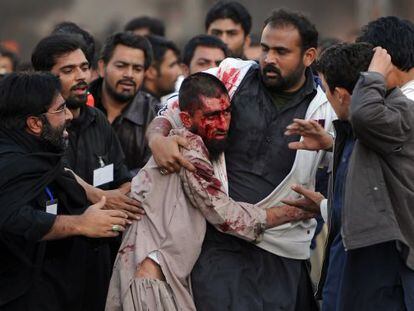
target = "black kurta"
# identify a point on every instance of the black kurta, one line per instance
(67, 274)
(92, 141)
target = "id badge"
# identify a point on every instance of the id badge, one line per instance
(103, 175)
(51, 207)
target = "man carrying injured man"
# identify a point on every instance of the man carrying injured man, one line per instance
(158, 253)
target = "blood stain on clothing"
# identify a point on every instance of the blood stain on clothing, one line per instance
(230, 77)
(127, 248)
(234, 226)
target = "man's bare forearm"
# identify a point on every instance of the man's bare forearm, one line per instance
(158, 126)
(63, 227)
(93, 194)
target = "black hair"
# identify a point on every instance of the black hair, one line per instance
(307, 31)
(24, 94)
(160, 45)
(128, 39)
(232, 10)
(25, 66)
(155, 26)
(74, 29)
(325, 43)
(10, 55)
(197, 85)
(393, 34)
(52, 47)
(342, 63)
(202, 40)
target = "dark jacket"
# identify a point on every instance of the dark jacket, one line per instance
(131, 125)
(380, 183)
(91, 142)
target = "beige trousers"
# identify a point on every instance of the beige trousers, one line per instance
(149, 295)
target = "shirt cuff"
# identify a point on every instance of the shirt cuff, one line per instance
(260, 227)
(324, 209)
(42, 223)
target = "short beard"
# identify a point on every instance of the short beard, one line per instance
(53, 137)
(76, 102)
(118, 97)
(281, 84)
(239, 53)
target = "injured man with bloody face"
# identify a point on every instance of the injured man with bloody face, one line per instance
(157, 254)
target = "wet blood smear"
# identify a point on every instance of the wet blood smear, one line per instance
(215, 187)
(224, 226)
(229, 78)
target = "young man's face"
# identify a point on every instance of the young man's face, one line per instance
(6, 65)
(124, 73)
(230, 33)
(339, 102)
(55, 121)
(74, 74)
(168, 73)
(205, 57)
(281, 61)
(212, 122)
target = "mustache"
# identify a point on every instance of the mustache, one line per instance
(218, 132)
(80, 85)
(131, 81)
(270, 68)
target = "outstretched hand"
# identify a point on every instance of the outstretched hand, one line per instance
(118, 199)
(96, 222)
(310, 202)
(279, 215)
(314, 135)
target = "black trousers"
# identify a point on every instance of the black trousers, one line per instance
(232, 274)
(76, 279)
(376, 278)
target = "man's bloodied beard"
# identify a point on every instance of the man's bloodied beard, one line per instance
(279, 83)
(214, 146)
(75, 101)
(119, 96)
(53, 138)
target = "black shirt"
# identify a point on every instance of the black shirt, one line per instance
(131, 126)
(258, 157)
(92, 141)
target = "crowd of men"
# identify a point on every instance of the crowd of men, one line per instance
(142, 177)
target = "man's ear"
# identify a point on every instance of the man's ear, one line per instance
(185, 69)
(343, 96)
(247, 42)
(101, 68)
(34, 125)
(186, 119)
(151, 73)
(309, 56)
